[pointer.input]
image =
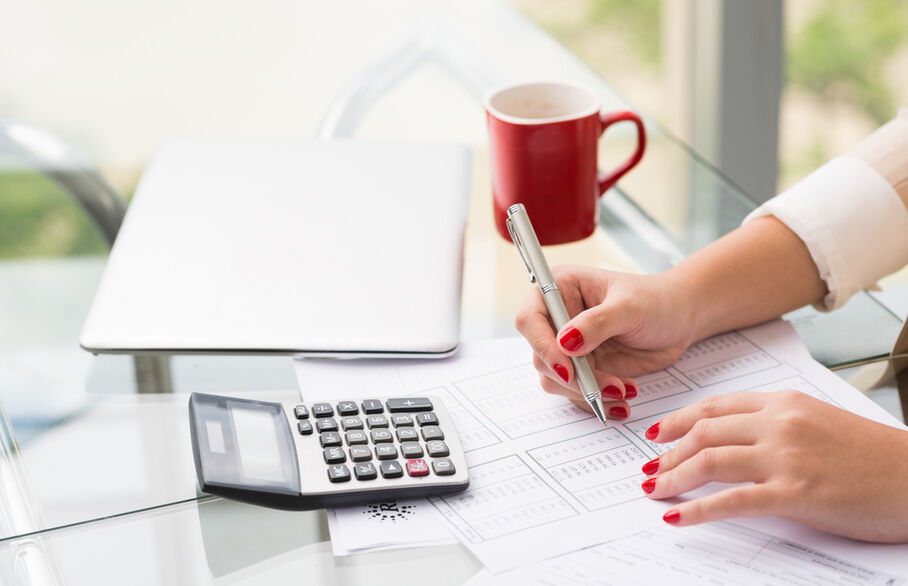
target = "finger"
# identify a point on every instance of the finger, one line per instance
(726, 464)
(532, 322)
(754, 500)
(553, 387)
(589, 328)
(544, 369)
(741, 429)
(676, 424)
(581, 404)
(617, 409)
(631, 388)
(611, 386)
(613, 409)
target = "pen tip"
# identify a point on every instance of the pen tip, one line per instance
(598, 410)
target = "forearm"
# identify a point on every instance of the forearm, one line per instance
(755, 273)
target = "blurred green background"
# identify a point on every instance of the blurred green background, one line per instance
(845, 75)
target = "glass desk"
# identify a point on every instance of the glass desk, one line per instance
(96, 475)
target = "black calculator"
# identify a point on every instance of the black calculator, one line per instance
(304, 456)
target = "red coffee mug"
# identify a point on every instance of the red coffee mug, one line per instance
(543, 139)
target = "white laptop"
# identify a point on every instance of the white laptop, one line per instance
(316, 248)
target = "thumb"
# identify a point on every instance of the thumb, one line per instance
(589, 328)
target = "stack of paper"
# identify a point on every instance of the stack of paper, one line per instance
(548, 482)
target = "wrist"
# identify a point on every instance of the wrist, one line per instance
(689, 304)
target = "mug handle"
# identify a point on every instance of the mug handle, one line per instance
(606, 120)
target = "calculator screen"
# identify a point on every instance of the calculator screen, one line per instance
(258, 445)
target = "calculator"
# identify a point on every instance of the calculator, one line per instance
(303, 456)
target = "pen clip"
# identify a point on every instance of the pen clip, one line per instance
(519, 246)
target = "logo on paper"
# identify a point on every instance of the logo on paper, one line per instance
(388, 511)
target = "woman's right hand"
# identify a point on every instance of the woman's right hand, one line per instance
(628, 325)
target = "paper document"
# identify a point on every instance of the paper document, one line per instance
(546, 478)
(389, 524)
(719, 554)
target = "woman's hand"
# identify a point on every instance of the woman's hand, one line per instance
(627, 324)
(809, 462)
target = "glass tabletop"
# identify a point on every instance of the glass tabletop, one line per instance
(95, 460)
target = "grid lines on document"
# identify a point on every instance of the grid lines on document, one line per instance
(797, 383)
(514, 401)
(659, 385)
(723, 358)
(720, 553)
(473, 434)
(506, 496)
(600, 469)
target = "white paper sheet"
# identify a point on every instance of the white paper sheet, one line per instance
(718, 554)
(390, 524)
(546, 478)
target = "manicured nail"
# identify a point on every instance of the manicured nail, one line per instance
(651, 467)
(620, 412)
(652, 432)
(560, 371)
(571, 340)
(649, 485)
(672, 517)
(630, 391)
(612, 392)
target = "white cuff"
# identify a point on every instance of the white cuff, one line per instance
(853, 222)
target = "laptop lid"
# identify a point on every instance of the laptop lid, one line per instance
(334, 248)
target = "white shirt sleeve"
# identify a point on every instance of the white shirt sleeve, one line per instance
(853, 223)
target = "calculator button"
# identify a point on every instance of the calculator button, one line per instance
(386, 452)
(432, 432)
(417, 468)
(402, 420)
(334, 456)
(426, 419)
(391, 469)
(408, 404)
(301, 412)
(322, 410)
(357, 437)
(411, 450)
(437, 449)
(338, 473)
(443, 466)
(347, 408)
(380, 436)
(376, 421)
(329, 438)
(365, 471)
(406, 434)
(326, 424)
(360, 454)
(305, 427)
(372, 406)
(349, 423)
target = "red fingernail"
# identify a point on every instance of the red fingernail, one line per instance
(649, 485)
(652, 432)
(560, 371)
(672, 517)
(612, 392)
(651, 467)
(630, 391)
(571, 340)
(620, 412)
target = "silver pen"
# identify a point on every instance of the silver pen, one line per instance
(524, 238)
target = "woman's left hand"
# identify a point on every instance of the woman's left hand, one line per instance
(808, 461)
